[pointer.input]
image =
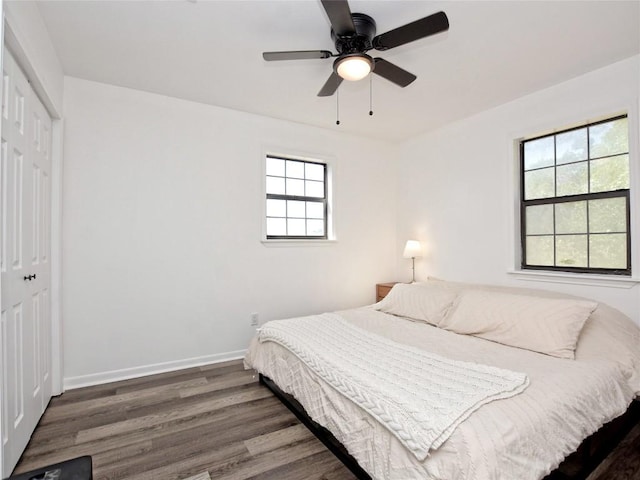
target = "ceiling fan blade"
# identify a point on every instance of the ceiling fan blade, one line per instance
(340, 16)
(436, 23)
(295, 55)
(331, 85)
(393, 73)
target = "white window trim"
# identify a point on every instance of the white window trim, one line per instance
(305, 156)
(614, 281)
(629, 108)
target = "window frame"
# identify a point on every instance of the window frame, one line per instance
(555, 200)
(325, 200)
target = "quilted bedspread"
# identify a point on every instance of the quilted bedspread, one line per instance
(523, 437)
(420, 397)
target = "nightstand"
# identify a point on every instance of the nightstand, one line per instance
(382, 289)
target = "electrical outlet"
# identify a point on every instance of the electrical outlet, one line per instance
(254, 319)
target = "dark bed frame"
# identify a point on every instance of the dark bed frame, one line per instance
(576, 466)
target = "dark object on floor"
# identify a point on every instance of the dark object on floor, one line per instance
(77, 469)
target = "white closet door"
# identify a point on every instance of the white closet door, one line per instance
(40, 235)
(25, 261)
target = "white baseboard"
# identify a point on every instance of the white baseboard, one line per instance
(127, 373)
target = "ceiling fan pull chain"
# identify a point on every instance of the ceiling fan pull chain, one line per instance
(370, 94)
(338, 107)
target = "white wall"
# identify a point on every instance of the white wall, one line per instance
(457, 185)
(162, 258)
(29, 39)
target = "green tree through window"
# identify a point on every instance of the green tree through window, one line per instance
(575, 199)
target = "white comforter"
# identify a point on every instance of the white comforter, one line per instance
(418, 396)
(524, 437)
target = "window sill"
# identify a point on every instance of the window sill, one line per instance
(611, 281)
(283, 242)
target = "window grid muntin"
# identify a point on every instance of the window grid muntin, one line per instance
(624, 193)
(320, 200)
(576, 198)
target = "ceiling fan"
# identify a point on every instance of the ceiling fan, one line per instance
(354, 34)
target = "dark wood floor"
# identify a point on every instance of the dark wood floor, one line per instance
(213, 422)
(624, 462)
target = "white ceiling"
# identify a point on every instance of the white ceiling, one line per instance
(210, 52)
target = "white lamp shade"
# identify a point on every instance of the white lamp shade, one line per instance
(412, 249)
(354, 68)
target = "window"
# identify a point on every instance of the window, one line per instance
(575, 199)
(296, 204)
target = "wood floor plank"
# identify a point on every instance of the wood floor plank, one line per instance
(150, 408)
(199, 444)
(151, 420)
(279, 438)
(155, 394)
(40, 446)
(176, 431)
(234, 365)
(193, 457)
(250, 466)
(63, 428)
(321, 466)
(122, 453)
(108, 455)
(222, 382)
(177, 469)
(205, 423)
(162, 379)
(200, 476)
(254, 423)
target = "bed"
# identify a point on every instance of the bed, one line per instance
(575, 364)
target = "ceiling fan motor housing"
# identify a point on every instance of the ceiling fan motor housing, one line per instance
(360, 41)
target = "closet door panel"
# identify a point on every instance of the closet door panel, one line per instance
(24, 254)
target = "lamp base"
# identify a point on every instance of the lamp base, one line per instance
(413, 269)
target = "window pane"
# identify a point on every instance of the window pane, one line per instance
(295, 209)
(296, 203)
(538, 153)
(315, 210)
(571, 146)
(572, 179)
(584, 163)
(315, 227)
(539, 250)
(295, 187)
(295, 227)
(276, 226)
(314, 171)
(571, 217)
(609, 138)
(608, 215)
(571, 251)
(314, 189)
(276, 208)
(275, 185)
(295, 169)
(608, 251)
(275, 167)
(539, 184)
(539, 219)
(610, 173)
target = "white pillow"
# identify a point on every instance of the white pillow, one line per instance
(425, 303)
(545, 325)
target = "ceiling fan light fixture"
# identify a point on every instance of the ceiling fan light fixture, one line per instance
(354, 66)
